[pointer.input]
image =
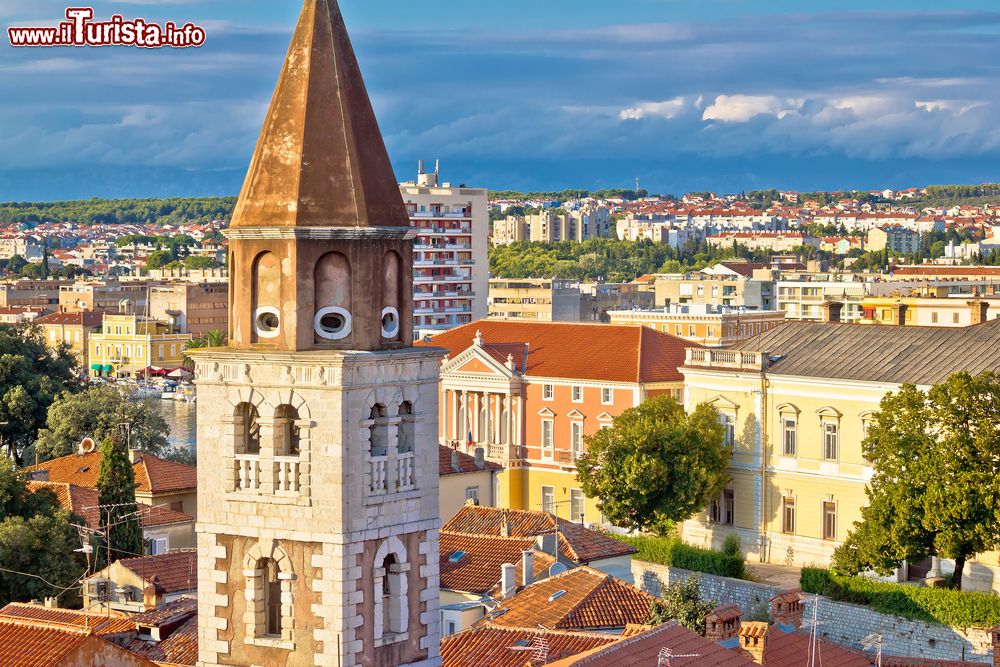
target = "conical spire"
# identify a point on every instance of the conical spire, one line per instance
(320, 160)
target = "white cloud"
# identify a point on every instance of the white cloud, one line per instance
(741, 108)
(667, 109)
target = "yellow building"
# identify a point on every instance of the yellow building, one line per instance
(704, 324)
(73, 330)
(928, 311)
(129, 344)
(796, 403)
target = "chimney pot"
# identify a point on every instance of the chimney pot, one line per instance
(455, 465)
(723, 623)
(788, 608)
(480, 458)
(508, 579)
(527, 567)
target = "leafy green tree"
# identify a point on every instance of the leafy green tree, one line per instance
(158, 259)
(98, 413)
(681, 601)
(119, 511)
(656, 464)
(37, 543)
(32, 375)
(195, 262)
(936, 483)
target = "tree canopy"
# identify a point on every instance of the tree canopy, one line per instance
(98, 413)
(37, 543)
(119, 511)
(936, 483)
(681, 601)
(656, 465)
(119, 211)
(32, 375)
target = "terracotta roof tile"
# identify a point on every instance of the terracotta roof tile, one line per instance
(643, 650)
(785, 648)
(579, 599)
(577, 543)
(152, 474)
(466, 462)
(181, 647)
(613, 353)
(29, 643)
(479, 569)
(102, 624)
(164, 614)
(175, 572)
(490, 646)
(83, 502)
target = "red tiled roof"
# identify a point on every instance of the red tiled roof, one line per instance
(579, 599)
(28, 643)
(612, 353)
(577, 543)
(490, 646)
(479, 570)
(466, 463)
(175, 572)
(105, 623)
(172, 611)
(153, 516)
(180, 648)
(644, 649)
(88, 318)
(786, 649)
(83, 502)
(152, 474)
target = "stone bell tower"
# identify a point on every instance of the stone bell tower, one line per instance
(317, 425)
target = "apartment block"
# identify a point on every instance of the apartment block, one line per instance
(552, 226)
(720, 290)
(895, 238)
(191, 307)
(549, 300)
(450, 262)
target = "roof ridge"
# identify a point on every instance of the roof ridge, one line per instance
(47, 624)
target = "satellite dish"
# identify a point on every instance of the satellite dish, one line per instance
(87, 445)
(557, 568)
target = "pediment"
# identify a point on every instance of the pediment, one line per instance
(545, 412)
(475, 361)
(721, 402)
(575, 414)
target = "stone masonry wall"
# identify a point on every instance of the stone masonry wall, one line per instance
(839, 622)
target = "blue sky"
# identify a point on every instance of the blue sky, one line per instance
(725, 95)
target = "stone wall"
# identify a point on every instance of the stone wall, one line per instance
(839, 622)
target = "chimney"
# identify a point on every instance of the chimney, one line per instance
(995, 636)
(455, 465)
(480, 458)
(527, 567)
(788, 608)
(508, 579)
(420, 167)
(980, 311)
(833, 311)
(437, 167)
(723, 623)
(504, 524)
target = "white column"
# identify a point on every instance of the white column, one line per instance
(498, 415)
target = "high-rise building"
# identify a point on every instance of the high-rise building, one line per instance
(318, 466)
(450, 264)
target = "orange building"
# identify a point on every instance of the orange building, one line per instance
(529, 393)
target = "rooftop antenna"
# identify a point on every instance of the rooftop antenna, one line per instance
(666, 655)
(637, 185)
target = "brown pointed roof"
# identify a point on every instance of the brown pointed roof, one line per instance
(320, 159)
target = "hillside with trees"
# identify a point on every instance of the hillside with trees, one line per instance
(119, 211)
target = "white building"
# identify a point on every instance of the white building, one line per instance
(450, 260)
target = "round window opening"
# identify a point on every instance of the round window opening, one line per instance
(267, 322)
(390, 322)
(332, 323)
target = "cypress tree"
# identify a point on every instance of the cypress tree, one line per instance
(119, 511)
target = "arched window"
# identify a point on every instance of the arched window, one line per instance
(288, 432)
(406, 428)
(391, 592)
(266, 296)
(247, 429)
(271, 590)
(378, 450)
(332, 281)
(391, 291)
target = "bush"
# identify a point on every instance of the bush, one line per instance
(961, 609)
(674, 553)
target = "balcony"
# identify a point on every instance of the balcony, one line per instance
(729, 359)
(378, 473)
(406, 475)
(287, 478)
(247, 472)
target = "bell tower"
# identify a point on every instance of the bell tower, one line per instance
(317, 425)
